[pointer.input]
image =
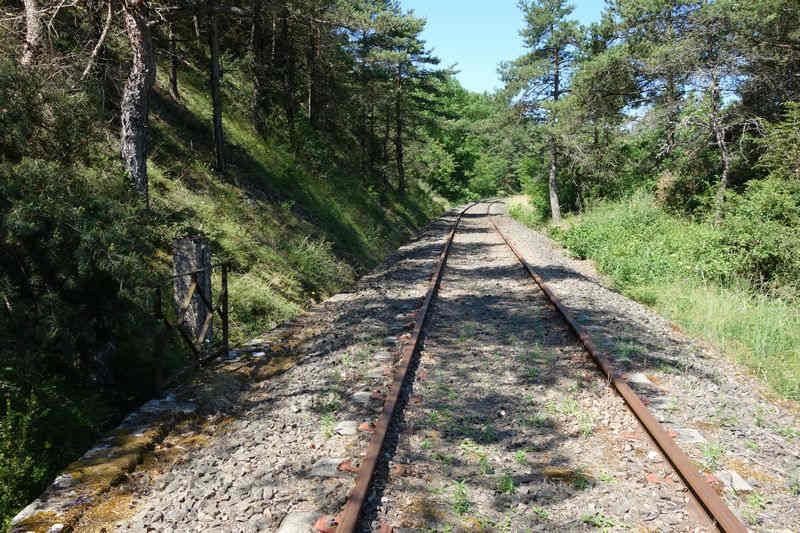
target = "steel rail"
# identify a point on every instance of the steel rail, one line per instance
(705, 494)
(346, 520)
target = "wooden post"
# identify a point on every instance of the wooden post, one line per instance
(192, 289)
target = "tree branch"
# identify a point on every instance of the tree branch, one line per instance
(99, 44)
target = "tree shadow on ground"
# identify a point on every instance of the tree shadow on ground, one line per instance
(378, 310)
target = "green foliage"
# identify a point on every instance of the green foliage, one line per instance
(761, 234)
(781, 145)
(470, 146)
(74, 262)
(38, 119)
(461, 503)
(639, 244)
(21, 471)
(693, 273)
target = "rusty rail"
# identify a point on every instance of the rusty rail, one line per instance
(348, 518)
(705, 494)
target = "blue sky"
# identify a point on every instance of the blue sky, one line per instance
(479, 34)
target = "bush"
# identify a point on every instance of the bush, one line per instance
(637, 243)
(761, 231)
(708, 279)
(76, 254)
(781, 145)
(534, 186)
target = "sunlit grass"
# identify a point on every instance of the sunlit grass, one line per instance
(675, 266)
(295, 228)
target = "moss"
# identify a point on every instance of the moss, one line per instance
(98, 473)
(39, 523)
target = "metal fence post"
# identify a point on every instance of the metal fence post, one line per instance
(225, 322)
(160, 340)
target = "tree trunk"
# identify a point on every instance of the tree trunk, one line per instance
(101, 38)
(33, 32)
(289, 72)
(719, 134)
(136, 97)
(310, 66)
(274, 39)
(387, 132)
(371, 135)
(259, 69)
(173, 64)
(313, 60)
(196, 23)
(398, 138)
(216, 97)
(555, 208)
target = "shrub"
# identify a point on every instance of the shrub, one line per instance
(781, 145)
(761, 231)
(638, 243)
(534, 186)
(75, 256)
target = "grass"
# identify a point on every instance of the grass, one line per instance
(506, 484)
(679, 268)
(600, 521)
(461, 503)
(297, 229)
(540, 513)
(328, 424)
(711, 456)
(606, 477)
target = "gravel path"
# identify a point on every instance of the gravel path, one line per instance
(510, 426)
(748, 445)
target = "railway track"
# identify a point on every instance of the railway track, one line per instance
(375, 491)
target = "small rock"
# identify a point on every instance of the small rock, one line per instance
(64, 481)
(299, 522)
(375, 373)
(653, 456)
(733, 481)
(384, 356)
(328, 467)
(363, 397)
(56, 528)
(689, 436)
(639, 378)
(347, 427)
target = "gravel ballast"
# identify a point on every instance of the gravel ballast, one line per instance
(748, 445)
(510, 426)
(505, 424)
